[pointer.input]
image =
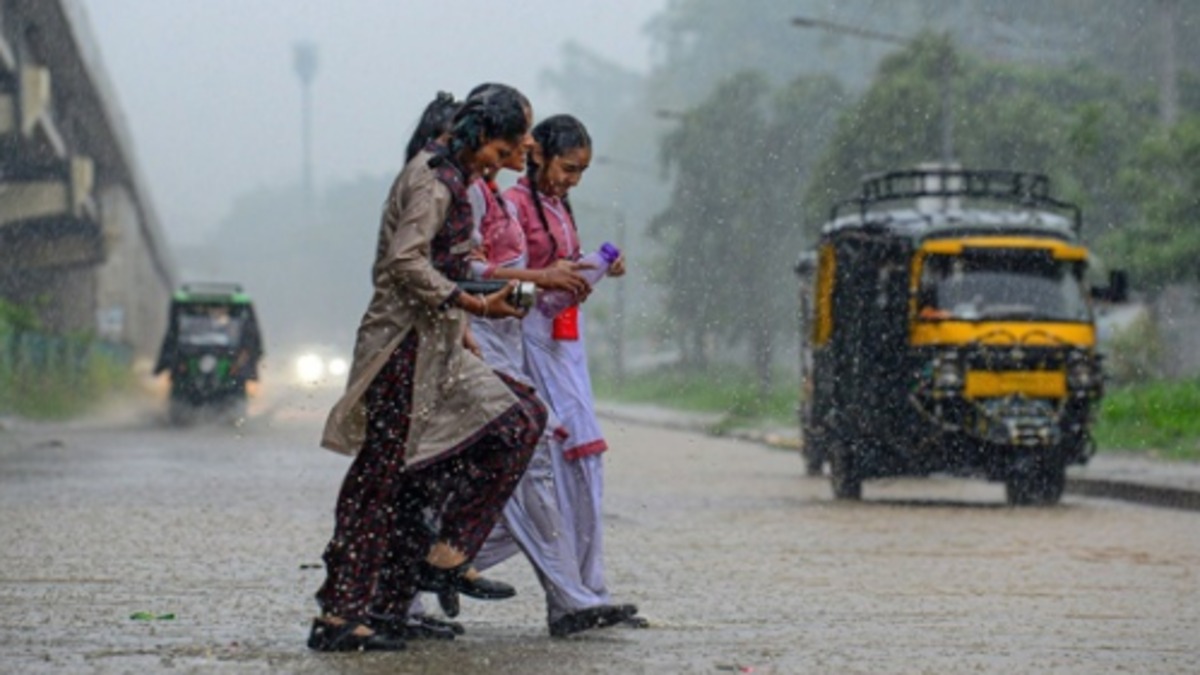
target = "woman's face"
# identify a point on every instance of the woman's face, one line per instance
(563, 172)
(517, 161)
(493, 155)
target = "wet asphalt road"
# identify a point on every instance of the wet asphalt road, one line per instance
(741, 563)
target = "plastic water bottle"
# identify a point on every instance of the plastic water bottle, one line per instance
(550, 303)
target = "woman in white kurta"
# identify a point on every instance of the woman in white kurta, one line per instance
(558, 367)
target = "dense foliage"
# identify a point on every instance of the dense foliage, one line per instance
(756, 162)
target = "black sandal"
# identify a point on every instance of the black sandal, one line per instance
(600, 616)
(636, 622)
(326, 637)
(416, 627)
(438, 579)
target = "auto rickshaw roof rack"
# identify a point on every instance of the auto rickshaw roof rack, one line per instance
(203, 291)
(1031, 190)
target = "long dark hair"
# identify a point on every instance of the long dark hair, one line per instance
(556, 136)
(487, 89)
(495, 113)
(434, 122)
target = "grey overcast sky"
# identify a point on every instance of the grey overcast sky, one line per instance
(211, 99)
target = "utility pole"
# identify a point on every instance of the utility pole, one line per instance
(619, 314)
(945, 71)
(304, 60)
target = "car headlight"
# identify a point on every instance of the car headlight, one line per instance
(310, 368)
(338, 367)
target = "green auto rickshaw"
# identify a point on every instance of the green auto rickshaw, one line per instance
(212, 348)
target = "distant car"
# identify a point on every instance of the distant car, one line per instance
(318, 366)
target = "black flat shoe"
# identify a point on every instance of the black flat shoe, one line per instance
(418, 627)
(452, 626)
(636, 622)
(601, 616)
(437, 579)
(326, 637)
(448, 600)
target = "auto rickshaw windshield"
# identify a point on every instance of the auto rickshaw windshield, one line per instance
(210, 326)
(1000, 288)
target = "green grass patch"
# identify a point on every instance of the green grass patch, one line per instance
(729, 391)
(1159, 418)
(1162, 418)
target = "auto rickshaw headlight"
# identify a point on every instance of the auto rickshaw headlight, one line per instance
(947, 373)
(208, 363)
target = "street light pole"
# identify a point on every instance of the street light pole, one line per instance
(1168, 86)
(619, 314)
(304, 60)
(945, 71)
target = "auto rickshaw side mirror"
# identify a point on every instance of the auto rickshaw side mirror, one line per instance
(1117, 289)
(806, 264)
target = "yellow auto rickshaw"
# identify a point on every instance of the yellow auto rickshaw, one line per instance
(948, 327)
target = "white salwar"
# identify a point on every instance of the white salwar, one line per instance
(558, 369)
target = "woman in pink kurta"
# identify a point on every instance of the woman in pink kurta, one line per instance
(558, 367)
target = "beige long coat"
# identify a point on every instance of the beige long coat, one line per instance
(454, 393)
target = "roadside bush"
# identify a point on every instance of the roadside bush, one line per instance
(48, 376)
(1134, 354)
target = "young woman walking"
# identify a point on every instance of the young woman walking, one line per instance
(558, 367)
(438, 437)
(533, 522)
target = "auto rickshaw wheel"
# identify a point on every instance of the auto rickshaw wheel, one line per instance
(844, 474)
(1035, 483)
(812, 449)
(814, 466)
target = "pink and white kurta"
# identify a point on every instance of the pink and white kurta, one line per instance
(559, 371)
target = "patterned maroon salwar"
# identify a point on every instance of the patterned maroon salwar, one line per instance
(385, 513)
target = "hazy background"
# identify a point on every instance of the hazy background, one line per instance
(722, 130)
(209, 90)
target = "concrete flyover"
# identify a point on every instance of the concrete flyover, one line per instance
(79, 239)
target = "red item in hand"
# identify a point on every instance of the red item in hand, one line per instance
(566, 324)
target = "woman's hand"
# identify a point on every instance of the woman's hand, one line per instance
(617, 269)
(563, 275)
(493, 306)
(469, 342)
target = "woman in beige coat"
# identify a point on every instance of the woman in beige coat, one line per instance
(440, 440)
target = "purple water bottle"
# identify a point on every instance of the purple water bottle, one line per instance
(550, 303)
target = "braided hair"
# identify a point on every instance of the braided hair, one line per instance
(435, 121)
(556, 136)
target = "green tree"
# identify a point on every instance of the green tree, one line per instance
(730, 232)
(1162, 245)
(1075, 124)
